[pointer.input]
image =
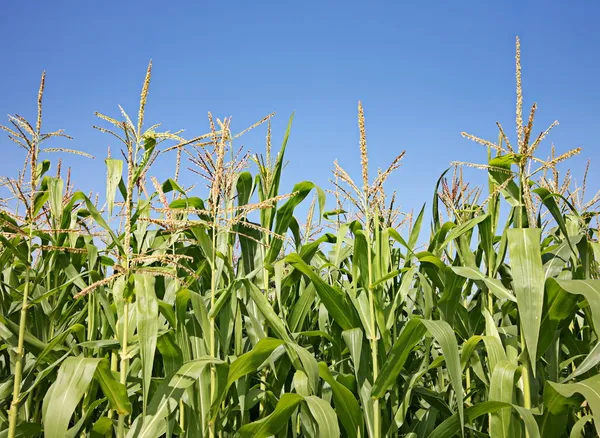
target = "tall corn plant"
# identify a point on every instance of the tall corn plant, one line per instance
(171, 311)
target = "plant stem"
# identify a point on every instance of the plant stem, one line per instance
(376, 413)
(13, 412)
(127, 244)
(124, 365)
(213, 285)
(14, 406)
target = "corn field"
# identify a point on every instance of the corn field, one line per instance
(215, 310)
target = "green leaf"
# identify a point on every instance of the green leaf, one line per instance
(411, 334)
(171, 185)
(250, 361)
(301, 307)
(334, 300)
(114, 173)
(416, 229)
(167, 396)
(495, 285)
(171, 353)
(590, 289)
(590, 361)
(556, 412)
(102, 428)
(589, 388)
(458, 231)
(114, 391)
(324, 416)
(501, 389)
(385, 278)
(528, 282)
(147, 328)
(74, 377)
(444, 335)
(548, 200)
(451, 426)
(55, 193)
(558, 306)
(577, 431)
(346, 406)
(309, 364)
(24, 430)
(495, 350)
(274, 422)
(267, 310)
(285, 216)
(100, 221)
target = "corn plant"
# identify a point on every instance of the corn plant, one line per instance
(212, 310)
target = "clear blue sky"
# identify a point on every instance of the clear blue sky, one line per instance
(424, 75)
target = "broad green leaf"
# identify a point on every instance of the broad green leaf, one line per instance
(401, 294)
(590, 289)
(494, 348)
(250, 361)
(100, 221)
(444, 335)
(147, 328)
(171, 185)
(267, 310)
(167, 396)
(416, 229)
(114, 391)
(528, 282)
(274, 422)
(324, 416)
(495, 285)
(556, 412)
(309, 364)
(577, 431)
(285, 216)
(590, 361)
(451, 426)
(114, 173)
(102, 428)
(171, 353)
(55, 192)
(301, 308)
(74, 377)
(458, 231)
(589, 388)
(411, 334)
(346, 406)
(335, 300)
(24, 430)
(548, 200)
(502, 387)
(558, 306)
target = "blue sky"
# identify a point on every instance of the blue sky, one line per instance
(424, 74)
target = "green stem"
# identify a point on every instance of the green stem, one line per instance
(13, 412)
(14, 406)
(263, 386)
(124, 366)
(376, 412)
(213, 285)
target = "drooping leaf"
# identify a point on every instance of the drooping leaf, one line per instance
(74, 377)
(589, 388)
(346, 406)
(274, 422)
